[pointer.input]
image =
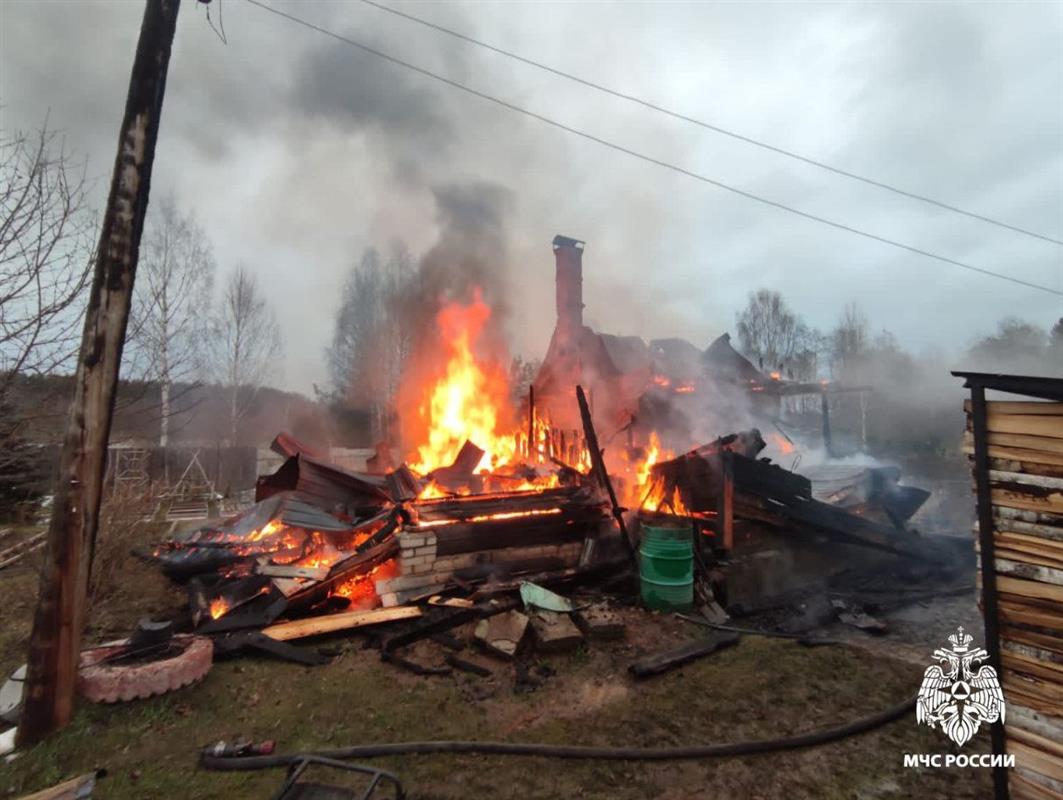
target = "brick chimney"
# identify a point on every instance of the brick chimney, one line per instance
(568, 253)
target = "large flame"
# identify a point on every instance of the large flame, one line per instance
(468, 400)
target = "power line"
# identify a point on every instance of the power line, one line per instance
(641, 156)
(706, 125)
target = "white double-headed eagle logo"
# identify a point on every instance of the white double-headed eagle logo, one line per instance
(959, 698)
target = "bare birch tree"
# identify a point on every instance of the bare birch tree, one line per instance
(46, 244)
(172, 302)
(245, 343)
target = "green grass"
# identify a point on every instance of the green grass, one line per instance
(760, 688)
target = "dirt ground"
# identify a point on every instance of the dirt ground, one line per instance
(761, 688)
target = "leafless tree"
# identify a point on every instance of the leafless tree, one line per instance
(245, 343)
(46, 245)
(772, 334)
(172, 301)
(372, 336)
(849, 341)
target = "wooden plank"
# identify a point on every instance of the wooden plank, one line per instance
(1026, 425)
(1027, 467)
(1028, 588)
(1041, 639)
(1049, 726)
(347, 620)
(1025, 557)
(1042, 444)
(1025, 479)
(73, 789)
(1031, 693)
(1019, 407)
(1033, 758)
(1046, 658)
(658, 663)
(1033, 544)
(1052, 673)
(1031, 572)
(1023, 613)
(1050, 503)
(1022, 454)
(292, 571)
(1024, 784)
(1037, 741)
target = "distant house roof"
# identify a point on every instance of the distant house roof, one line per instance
(721, 360)
(628, 353)
(676, 358)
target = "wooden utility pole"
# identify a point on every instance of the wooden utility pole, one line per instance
(61, 604)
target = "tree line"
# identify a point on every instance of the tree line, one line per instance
(184, 329)
(776, 338)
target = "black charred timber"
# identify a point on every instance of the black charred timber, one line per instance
(598, 463)
(467, 666)
(670, 659)
(390, 657)
(444, 619)
(240, 641)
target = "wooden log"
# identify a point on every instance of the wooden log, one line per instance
(347, 620)
(659, 663)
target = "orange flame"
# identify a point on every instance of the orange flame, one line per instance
(785, 445)
(469, 400)
(218, 606)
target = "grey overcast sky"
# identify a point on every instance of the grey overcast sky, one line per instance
(295, 151)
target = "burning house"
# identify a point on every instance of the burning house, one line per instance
(495, 487)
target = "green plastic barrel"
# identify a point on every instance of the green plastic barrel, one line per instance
(666, 567)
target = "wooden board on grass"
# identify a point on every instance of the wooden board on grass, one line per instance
(345, 620)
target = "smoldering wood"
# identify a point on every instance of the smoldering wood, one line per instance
(61, 606)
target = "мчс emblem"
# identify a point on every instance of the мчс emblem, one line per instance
(959, 698)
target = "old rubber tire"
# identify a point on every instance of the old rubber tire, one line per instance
(113, 683)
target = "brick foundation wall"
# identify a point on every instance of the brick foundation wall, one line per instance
(422, 572)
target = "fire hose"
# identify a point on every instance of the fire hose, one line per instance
(696, 751)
